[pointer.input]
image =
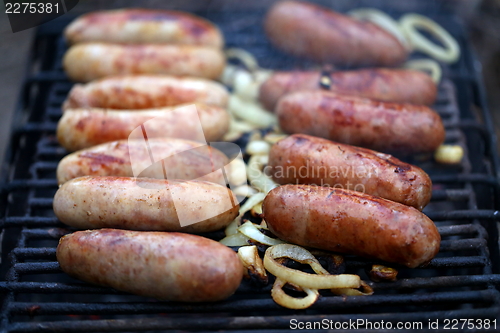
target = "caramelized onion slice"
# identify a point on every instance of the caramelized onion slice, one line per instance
(364, 290)
(302, 279)
(287, 301)
(249, 256)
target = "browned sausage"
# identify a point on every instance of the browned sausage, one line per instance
(350, 222)
(390, 85)
(139, 26)
(304, 159)
(90, 61)
(167, 266)
(83, 128)
(382, 126)
(186, 160)
(145, 91)
(318, 33)
(145, 204)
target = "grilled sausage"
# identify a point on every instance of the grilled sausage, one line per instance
(350, 222)
(186, 160)
(167, 266)
(83, 128)
(145, 204)
(90, 61)
(310, 31)
(390, 85)
(145, 91)
(139, 26)
(304, 159)
(382, 126)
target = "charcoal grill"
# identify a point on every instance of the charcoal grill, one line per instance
(461, 282)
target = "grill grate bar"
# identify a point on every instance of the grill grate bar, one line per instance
(481, 296)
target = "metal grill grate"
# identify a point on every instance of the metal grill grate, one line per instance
(461, 282)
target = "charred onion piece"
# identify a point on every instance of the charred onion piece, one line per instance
(305, 280)
(364, 290)
(382, 273)
(287, 301)
(250, 259)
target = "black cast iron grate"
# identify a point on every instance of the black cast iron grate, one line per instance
(461, 282)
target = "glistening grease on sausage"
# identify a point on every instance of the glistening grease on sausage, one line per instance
(90, 61)
(140, 26)
(83, 128)
(351, 222)
(384, 84)
(144, 204)
(382, 126)
(187, 160)
(166, 266)
(145, 91)
(304, 159)
(311, 31)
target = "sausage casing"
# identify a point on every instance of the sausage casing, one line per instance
(145, 204)
(351, 222)
(384, 84)
(91, 61)
(304, 159)
(186, 160)
(145, 91)
(168, 266)
(83, 128)
(140, 26)
(310, 31)
(382, 126)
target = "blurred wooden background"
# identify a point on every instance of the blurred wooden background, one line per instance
(481, 17)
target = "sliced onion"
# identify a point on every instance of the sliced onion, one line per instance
(382, 273)
(251, 231)
(449, 154)
(302, 279)
(257, 210)
(382, 20)
(287, 301)
(258, 147)
(244, 190)
(249, 256)
(426, 65)
(273, 138)
(251, 112)
(257, 178)
(255, 199)
(237, 239)
(449, 53)
(246, 58)
(366, 290)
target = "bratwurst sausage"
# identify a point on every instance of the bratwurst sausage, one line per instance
(140, 26)
(350, 222)
(311, 31)
(384, 84)
(145, 204)
(382, 126)
(83, 128)
(186, 160)
(304, 159)
(145, 91)
(90, 61)
(167, 266)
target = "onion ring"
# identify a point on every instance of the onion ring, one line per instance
(449, 53)
(251, 112)
(246, 58)
(287, 301)
(302, 279)
(426, 65)
(366, 290)
(382, 20)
